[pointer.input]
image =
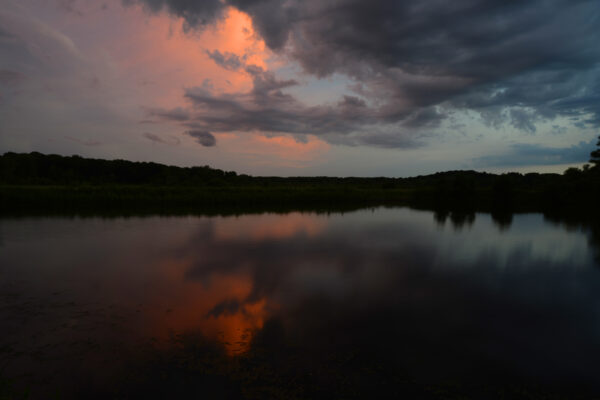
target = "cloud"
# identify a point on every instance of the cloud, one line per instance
(194, 13)
(31, 47)
(4, 35)
(227, 60)
(523, 120)
(170, 140)
(9, 77)
(70, 7)
(85, 142)
(174, 114)
(268, 109)
(205, 138)
(521, 154)
(514, 63)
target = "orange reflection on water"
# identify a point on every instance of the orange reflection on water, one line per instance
(235, 331)
(217, 308)
(269, 226)
(204, 286)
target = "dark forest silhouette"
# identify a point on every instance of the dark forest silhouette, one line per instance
(36, 181)
(595, 155)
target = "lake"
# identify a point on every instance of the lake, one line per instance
(299, 305)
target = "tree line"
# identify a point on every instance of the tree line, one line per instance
(37, 178)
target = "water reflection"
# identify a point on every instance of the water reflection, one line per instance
(459, 219)
(589, 224)
(502, 219)
(427, 297)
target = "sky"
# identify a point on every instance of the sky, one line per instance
(304, 87)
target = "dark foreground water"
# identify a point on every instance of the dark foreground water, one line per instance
(299, 305)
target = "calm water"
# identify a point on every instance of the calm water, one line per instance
(303, 304)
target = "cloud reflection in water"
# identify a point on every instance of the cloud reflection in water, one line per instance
(489, 298)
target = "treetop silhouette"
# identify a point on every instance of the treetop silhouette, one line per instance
(595, 155)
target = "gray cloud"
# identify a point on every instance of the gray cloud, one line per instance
(170, 140)
(4, 35)
(69, 6)
(227, 60)
(10, 77)
(205, 138)
(174, 114)
(523, 120)
(522, 154)
(29, 47)
(85, 142)
(426, 117)
(266, 108)
(512, 62)
(195, 13)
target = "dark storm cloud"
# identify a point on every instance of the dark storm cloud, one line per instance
(205, 138)
(386, 140)
(479, 40)
(426, 117)
(195, 13)
(533, 154)
(272, 19)
(512, 62)
(523, 120)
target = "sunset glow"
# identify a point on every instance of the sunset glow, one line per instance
(281, 89)
(269, 226)
(298, 199)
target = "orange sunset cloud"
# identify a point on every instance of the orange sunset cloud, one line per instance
(159, 54)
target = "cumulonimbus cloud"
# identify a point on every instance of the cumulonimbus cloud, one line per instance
(514, 63)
